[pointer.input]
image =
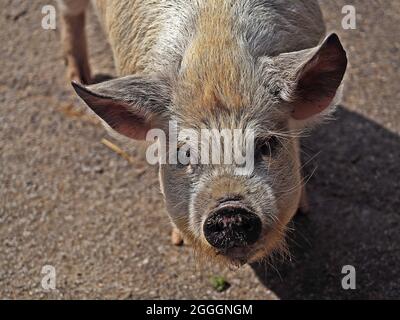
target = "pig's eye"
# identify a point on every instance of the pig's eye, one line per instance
(268, 147)
(185, 157)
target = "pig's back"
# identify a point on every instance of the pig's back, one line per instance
(132, 27)
(149, 35)
(271, 27)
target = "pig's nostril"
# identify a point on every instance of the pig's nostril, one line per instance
(232, 226)
(247, 227)
(215, 227)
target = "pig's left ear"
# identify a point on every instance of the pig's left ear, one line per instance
(130, 105)
(316, 78)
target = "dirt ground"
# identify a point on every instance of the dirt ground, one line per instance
(68, 201)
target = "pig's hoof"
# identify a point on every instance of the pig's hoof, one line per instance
(176, 237)
(304, 207)
(303, 211)
(76, 72)
(74, 75)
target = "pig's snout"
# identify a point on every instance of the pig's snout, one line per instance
(231, 225)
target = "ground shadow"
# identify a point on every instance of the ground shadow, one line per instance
(354, 219)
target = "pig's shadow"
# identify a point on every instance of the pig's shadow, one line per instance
(354, 219)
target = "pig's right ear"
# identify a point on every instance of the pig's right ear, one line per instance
(130, 105)
(315, 76)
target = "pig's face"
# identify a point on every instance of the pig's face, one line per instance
(230, 216)
(235, 217)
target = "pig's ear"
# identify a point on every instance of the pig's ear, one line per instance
(317, 78)
(130, 105)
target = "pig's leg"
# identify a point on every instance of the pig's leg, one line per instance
(176, 237)
(73, 39)
(303, 204)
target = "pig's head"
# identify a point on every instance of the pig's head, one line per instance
(234, 218)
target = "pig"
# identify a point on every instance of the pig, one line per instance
(264, 65)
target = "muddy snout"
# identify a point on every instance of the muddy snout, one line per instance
(231, 225)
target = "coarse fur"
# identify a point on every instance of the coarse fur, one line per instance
(250, 64)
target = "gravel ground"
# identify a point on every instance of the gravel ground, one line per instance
(68, 201)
